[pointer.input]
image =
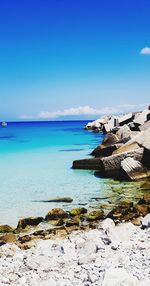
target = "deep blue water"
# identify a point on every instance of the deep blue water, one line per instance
(35, 164)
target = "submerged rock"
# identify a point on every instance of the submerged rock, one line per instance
(58, 200)
(55, 214)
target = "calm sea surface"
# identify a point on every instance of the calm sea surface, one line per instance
(35, 164)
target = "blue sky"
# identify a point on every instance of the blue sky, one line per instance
(67, 59)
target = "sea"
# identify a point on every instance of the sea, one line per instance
(35, 165)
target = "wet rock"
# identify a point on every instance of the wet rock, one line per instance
(78, 211)
(142, 209)
(24, 238)
(88, 164)
(123, 212)
(137, 221)
(73, 221)
(145, 200)
(30, 221)
(7, 238)
(95, 215)
(27, 245)
(56, 214)
(146, 185)
(5, 228)
(102, 151)
(58, 222)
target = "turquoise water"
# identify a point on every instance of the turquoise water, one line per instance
(35, 164)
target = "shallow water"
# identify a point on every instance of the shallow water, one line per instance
(35, 164)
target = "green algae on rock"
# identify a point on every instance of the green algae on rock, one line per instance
(75, 221)
(5, 228)
(55, 214)
(78, 211)
(95, 215)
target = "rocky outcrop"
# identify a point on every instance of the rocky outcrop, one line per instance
(124, 153)
(113, 123)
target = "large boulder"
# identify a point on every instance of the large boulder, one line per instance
(104, 151)
(112, 164)
(143, 117)
(125, 119)
(134, 169)
(145, 126)
(126, 148)
(123, 132)
(110, 139)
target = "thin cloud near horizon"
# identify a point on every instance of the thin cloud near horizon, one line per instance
(84, 110)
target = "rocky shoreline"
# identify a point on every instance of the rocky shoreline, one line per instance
(103, 256)
(106, 245)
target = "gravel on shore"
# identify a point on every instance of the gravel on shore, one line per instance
(108, 255)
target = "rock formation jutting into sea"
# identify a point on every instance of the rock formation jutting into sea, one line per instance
(125, 151)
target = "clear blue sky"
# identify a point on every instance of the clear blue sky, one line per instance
(62, 54)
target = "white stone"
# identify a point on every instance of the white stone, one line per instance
(119, 277)
(146, 220)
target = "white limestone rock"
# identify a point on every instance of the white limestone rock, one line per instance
(119, 276)
(146, 221)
